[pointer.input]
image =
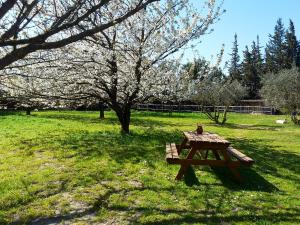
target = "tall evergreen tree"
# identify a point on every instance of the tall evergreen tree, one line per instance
(247, 67)
(269, 63)
(298, 55)
(291, 45)
(255, 78)
(258, 59)
(234, 66)
(276, 48)
(251, 78)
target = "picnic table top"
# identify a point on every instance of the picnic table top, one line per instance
(205, 137)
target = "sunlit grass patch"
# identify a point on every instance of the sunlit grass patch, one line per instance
(71, 166)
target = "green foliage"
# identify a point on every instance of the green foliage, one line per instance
(282, 90)
(281, 52)
(197, 69)
(217, 93)
(277, 48)
(298, 56)
(235, 67)
(257, 56)
(251, 71)
(291, 45)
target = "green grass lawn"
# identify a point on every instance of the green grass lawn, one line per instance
(70, 167)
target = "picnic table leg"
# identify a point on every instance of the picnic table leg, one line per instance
(216, 154)
(183, 144)
(183, 168)
(204, 155)
(232, 168)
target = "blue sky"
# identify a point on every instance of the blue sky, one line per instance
(247, 18)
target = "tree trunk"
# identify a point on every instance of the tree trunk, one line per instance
(101, 109)
(294, 118)
(216, 115)
(224, 115)
(170, 110)
(124, 118)
(28, 112)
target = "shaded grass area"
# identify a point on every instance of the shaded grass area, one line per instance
(58, 167)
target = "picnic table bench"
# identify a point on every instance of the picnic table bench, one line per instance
(200, 145)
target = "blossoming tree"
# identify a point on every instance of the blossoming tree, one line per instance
(121, 65)
(30, 25)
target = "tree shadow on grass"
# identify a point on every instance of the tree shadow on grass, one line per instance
(146, 146)
(76, 117)
(135, 120)
(165, 114)
(249, 126)
(183, 217)
(268, 160)
(4, 113)
(196, 218)
(210, 214)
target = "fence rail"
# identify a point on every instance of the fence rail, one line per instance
(199, 108)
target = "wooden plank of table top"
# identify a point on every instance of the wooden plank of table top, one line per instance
(218, 138)
(189, 135)
(186, 134)
(205, 137)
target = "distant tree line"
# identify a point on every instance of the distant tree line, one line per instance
(281, 52)
(272, 74)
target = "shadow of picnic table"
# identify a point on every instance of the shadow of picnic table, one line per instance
(211, 213)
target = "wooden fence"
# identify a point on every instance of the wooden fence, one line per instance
(199, 108)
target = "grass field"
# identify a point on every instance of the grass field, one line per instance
(72, 168)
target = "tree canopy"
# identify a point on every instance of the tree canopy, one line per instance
(29, 26)
(282, 91)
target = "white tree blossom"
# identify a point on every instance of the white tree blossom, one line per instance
(30, 25)
(121, 65)
(127, 63)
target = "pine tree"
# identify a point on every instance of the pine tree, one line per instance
(269, 64)
(250, 76)
(234, 66)
(256, 69)
(276, 48)
(247, 67)
(291, 45)
(259, 62)
(298, 55)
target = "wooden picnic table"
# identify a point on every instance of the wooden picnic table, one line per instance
(200, 145)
